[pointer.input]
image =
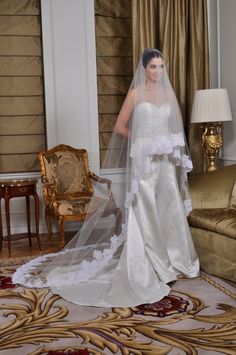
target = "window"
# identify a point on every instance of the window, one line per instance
(22, 119)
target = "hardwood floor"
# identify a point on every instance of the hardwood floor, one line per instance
(20, 247)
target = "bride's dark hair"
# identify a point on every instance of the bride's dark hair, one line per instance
(150, 53)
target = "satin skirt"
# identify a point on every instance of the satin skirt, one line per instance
(158, 248)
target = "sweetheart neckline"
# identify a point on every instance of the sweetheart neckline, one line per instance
(149, 103)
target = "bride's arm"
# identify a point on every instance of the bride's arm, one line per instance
(124, 115)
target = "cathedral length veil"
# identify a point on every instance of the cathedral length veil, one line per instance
(88, 262)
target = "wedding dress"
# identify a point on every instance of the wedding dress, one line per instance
(155, 245)
(158, 244)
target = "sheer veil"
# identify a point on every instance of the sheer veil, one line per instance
(96, 249)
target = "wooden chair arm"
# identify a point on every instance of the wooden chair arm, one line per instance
(50, 196)
(102, 181)
(98, 178)
(50, 189)
(46, 183)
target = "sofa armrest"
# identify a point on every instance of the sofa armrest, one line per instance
(213, 190)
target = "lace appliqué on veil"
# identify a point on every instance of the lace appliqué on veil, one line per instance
(84, 271)
(162, 145)
(187, 206)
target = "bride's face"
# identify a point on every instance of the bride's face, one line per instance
(154, 69)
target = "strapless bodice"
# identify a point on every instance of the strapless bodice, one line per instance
(150, 120)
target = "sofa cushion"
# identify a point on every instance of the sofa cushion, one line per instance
(232, 202)
(216, 253)
(219, 220)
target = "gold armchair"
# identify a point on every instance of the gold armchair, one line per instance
(68, 187)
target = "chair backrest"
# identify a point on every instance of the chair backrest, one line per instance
(67, 169)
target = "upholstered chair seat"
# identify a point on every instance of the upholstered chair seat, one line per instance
(80, 206)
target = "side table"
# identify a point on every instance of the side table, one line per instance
(19, 188)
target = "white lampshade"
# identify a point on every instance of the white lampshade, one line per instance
(211, 105)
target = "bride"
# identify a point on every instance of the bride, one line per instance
(98, 268)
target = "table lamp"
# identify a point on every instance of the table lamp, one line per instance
(211, 107)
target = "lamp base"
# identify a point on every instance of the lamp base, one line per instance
(212, 143)
(212, 167)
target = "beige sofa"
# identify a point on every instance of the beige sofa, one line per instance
(213, 221)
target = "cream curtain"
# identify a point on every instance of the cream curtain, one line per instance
(179, 29)
(22, 121)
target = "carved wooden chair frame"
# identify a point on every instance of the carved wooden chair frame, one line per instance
(51, 195)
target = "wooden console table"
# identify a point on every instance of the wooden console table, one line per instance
(19, 188)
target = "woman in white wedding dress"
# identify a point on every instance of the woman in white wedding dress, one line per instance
(155, 246)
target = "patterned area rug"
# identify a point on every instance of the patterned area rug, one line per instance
(198, 317)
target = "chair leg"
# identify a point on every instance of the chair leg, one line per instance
(62, 233)
(48, 223)
(118, 226)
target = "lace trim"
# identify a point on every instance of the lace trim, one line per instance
(162, 144)
(177, 140)
(187, 206)
(84, 271)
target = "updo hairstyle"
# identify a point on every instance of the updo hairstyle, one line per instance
(150, 53)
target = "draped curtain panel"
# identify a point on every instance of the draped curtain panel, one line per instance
(22, 121)
(179, 29)
(114, 62)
